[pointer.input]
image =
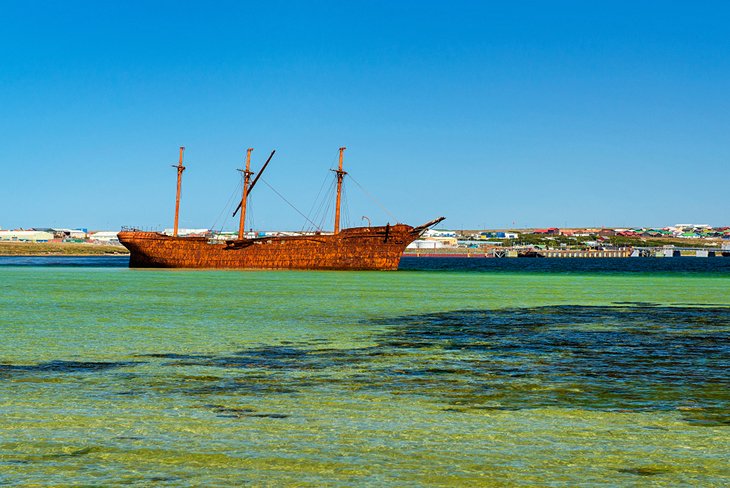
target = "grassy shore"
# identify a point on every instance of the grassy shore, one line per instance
(58, 249)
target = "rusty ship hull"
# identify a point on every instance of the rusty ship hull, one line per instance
(360, 248)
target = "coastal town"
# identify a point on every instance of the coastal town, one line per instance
(701, 240)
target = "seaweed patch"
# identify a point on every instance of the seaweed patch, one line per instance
(59, 366)
(632, 356)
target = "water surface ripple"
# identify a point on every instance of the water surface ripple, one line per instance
(422, 378)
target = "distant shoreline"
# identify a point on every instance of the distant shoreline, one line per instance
(62, 255)
(71, 249)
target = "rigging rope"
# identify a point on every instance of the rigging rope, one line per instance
(317, 200)
(319, 193)
(321, 214)
(373, 199)
(322, 206)
(249, 214)
(287, 201)
(229, 204)
(326, 205)
(345, 208)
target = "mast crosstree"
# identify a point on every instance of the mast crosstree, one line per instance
(253, 183)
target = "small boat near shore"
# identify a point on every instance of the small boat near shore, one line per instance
(356, 248)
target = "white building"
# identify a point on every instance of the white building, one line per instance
(439, 233)
(679, 228)
(72, 233)
(25, 236)
(434, 243)
(105, 236)
(188, 232)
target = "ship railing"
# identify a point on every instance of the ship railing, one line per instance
(134, 228)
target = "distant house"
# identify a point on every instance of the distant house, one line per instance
(548, 231)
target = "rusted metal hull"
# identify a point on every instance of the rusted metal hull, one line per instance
(360, 248)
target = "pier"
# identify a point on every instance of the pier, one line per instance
(588, 253)
(514, 252)
(523, 252)
(674, 252)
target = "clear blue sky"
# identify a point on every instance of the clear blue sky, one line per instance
(493, 114)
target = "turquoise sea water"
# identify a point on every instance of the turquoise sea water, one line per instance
(549, 373)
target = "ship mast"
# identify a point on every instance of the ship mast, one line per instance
(246, 179)
(340, 175)
(180, 169)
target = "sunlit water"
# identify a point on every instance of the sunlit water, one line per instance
(459, 373)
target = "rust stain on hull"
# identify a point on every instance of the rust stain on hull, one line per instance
(359, 248)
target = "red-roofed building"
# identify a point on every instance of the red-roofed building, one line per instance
(550, 231)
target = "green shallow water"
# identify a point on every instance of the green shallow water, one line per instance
(214, 378)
